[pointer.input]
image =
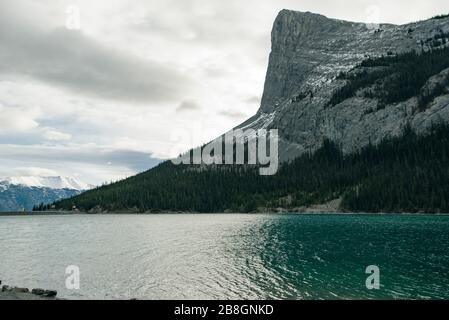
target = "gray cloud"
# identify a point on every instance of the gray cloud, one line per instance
(48, 156)
(74, 61)
(187, 106)
(233, 114)
(253, 100)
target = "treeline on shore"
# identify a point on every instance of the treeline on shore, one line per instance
(403, 174)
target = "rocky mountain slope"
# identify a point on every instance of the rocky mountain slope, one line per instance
(309, 51)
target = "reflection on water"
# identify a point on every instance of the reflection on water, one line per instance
(228, 256)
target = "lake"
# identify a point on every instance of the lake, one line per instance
(228, 256)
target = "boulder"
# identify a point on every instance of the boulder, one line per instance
(38, 292)
(50, 293)
(6, 288)
(20, 290)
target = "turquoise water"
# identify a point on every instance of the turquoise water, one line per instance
(229, 256)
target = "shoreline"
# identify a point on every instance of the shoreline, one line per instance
(305, 213)
(16, 293)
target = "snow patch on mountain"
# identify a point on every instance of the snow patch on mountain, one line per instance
(46, 182)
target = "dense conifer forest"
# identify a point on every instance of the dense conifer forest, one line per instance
(404, 174)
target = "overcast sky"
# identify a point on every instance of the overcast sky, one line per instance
(140, 80)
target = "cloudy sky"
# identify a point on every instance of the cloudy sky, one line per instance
(105, 96)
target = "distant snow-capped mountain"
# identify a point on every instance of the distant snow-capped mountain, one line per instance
(47, 182)
(22, 193)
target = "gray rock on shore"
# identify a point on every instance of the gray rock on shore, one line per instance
(16, 293)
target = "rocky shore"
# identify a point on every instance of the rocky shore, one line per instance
(16, 293)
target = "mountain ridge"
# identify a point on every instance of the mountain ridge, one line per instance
(22, 193)
(52, 182)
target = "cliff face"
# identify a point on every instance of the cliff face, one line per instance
(309, 51)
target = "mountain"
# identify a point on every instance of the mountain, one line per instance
(22, 193)
(47, 182)
(310, 53)
(362, 113)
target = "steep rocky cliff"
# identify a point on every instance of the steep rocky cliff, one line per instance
(309, 51)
